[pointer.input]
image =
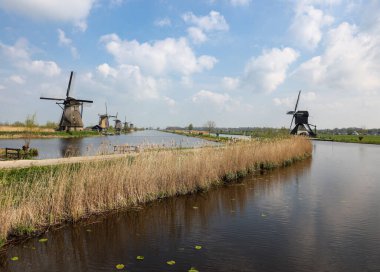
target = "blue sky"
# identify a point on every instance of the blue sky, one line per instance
(163, 63)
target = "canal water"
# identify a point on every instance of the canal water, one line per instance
(86, 146)
(321, 214)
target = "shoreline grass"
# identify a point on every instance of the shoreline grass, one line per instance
(359, 139)
(35, 199)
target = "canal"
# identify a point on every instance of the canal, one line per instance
(321, 214)
(49, 148)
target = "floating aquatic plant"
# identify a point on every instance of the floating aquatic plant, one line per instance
(43, 240)
(193, 269)
(120, 266)
(198, 247)
(140, 258)
(15, 258)
(171, 262)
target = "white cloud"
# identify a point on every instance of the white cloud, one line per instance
(230, 83)
(290, 101)
(169, 101)
(64, 41)
(196, 35)
(308, 24)
(17, 79)
(106, 70)
(163, 22)
(241, 3)
(54, 10)
(213, 21)
(48, 68)
(162, 57)
(127, 80)
(268, 71)
(202, 24)
(349, 62)
(19, 56)
(2, 87)
(211, 97)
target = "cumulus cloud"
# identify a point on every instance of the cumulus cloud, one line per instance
(162, 57)
(64, 41)
(128, 80)
(308, 24)
(350, 61)
(17, 79)
(241, 3)
(196, 35)
(210, 97)
(290, 101)
(19, 55)
(163, 22)
(214, 21)
(230, 83)
(54, 10)
(169, 101)
(267, 71)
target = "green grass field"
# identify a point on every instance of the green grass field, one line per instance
(364, 139)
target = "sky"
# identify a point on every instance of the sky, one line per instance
(163, 63)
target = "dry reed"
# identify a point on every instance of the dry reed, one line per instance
(71, 193)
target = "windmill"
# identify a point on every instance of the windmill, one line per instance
(125, 128)
(104, 120)
(71, 118)
(118, 124)
(301, 121)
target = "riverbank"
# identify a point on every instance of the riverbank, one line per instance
(36, 134)
(358, 139)
(205, 135)
(75, 191)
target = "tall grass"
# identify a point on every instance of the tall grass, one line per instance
(71, 192)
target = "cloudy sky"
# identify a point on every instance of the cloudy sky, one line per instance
(171, 62)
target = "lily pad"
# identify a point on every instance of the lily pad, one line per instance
(193, 269)
(140, 258)
(88, 230)
(198, 247)
(43, 240)
(15, 258)
(120, 266)
(195, 207)
(171, 262)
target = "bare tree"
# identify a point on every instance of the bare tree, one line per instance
(210, 125)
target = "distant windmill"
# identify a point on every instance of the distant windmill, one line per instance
(301, 121)
(104, 123)
(71, 118)
(125, 128)
(118, 124)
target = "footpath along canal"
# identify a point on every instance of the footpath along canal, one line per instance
(321, 214)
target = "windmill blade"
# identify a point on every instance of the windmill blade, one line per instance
(298, 99)
(69, 86)
(106, 109)
(50, 98)
(291, 112)
(291, 123)
(84, 101)
(81, 110)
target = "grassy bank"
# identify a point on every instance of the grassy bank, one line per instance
(33, 199)
(46, 134)
(364, 139)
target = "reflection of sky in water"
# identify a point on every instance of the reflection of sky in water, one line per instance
(60, 147)
(321, 214)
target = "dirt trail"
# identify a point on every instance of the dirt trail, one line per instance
(29, 163)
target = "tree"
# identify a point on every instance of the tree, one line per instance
(210, 125)
(190, 127)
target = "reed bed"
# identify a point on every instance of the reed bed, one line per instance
(72, 192)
